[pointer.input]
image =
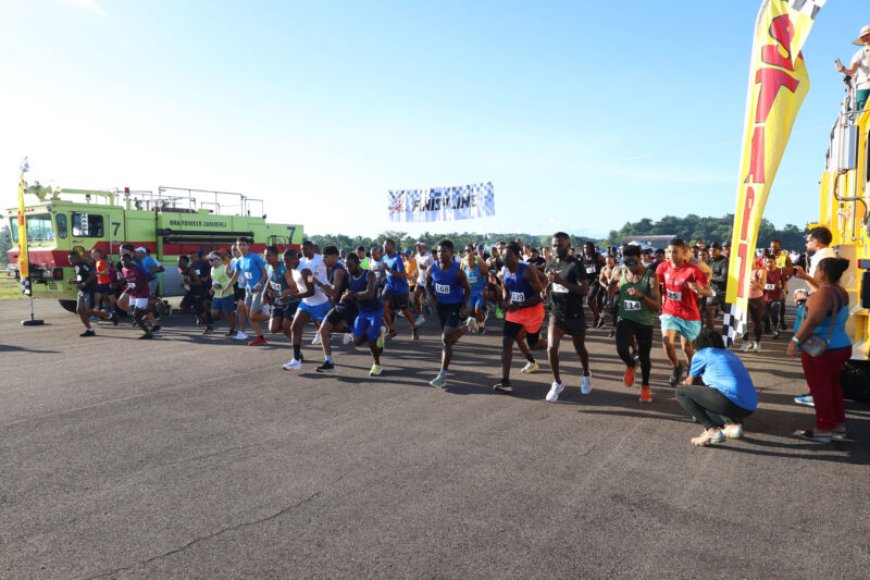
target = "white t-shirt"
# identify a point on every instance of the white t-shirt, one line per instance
(818, 257)
(423, 263)
(862, 74)
(318, 268)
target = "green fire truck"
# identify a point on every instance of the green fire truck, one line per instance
(171, 222)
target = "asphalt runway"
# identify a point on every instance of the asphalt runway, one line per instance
(197, 457)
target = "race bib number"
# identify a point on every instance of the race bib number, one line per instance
(79, 278)
(590, 269)
(472, 279)
(559, 289)
(675, 296)
(275, 286)
(131, 285)
(518, 297)
(249, 276)
(215, 284)
(442, 288)
(197, 272)
(631, 305)
(770, 287)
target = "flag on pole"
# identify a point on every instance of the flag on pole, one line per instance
(778, 83)
(23, 260)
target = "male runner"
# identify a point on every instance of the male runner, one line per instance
(280, 287)
(310, 278)
(86, 305)
(341, 316)
(524, 310)
(139, 292)
(251, 268)
(786, 268)
(193, 292)
(424, 261)
(396, 290)
(104, 271)
(682, 282)
(718, 284)
(450, 293)
(592, 263)
(567, 287)
(477, 274)
(637, 299)
(222, 302)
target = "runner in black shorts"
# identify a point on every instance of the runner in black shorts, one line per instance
(568, 285)
(449, 291)
(86, 283)
(340, 318)
(592, 262)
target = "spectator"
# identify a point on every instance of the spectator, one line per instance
(726, 396)
(860, 64)
(827, 311)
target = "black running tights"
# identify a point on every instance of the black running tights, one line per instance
(625, 329)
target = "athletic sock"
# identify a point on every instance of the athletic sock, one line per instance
(328, 358)
(297, 351)
(530, 358)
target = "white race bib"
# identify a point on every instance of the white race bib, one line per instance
(675, 296)
(442, 288)
(631, 305)
(275, 286)
(197, 272)
(518, 297)
(590, 269)
(472, 279)
(559, 289)
(770, 286)
(131, 285)
(79, 278)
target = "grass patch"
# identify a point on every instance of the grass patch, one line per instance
(10, 289)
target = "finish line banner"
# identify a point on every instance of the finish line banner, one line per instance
(778, 83)
(442, 204)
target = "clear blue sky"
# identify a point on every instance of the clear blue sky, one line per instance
(584, 114)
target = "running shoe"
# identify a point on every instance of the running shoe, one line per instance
(317, 338)
(676, 375)
(585, 385)
(733, 431)
(114, 318)
(532, 367)
(811, 435)
(292, 365)
(240, 336)
(208, 329)
(645, 394)
(756, 347)
(391, 335)
(439, 381)
(806, 400)
(346, 338)
(146, 336)
(420, 320)
(775, 335)
(628, 377)
(747, 346)
(88, 332)
(555, 390)
(705, 439)
(503, 387)
(376, 370)
(260, 340)
(472, 324)
(415, 334)
(232, 333)
(482, 331)
(325, 367)
(156, 329)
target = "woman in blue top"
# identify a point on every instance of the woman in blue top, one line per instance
(827, 311)
(725, 397)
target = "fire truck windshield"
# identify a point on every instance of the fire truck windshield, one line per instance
(38, 228)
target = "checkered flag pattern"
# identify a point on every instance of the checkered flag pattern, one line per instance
(438, 204)
(809, 7)
(734, 324)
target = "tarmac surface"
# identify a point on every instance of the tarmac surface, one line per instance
(194, 456)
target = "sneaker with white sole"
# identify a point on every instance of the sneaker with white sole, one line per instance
(346, 338)
(420, 320)
(376, 370)
(240, 336)
(439, 381)
(756, 347)
(585, 385)
(733, 431)
(292, 365)
(806, 400)
(555, 390)
(531, 367)
(747, 346)
(472, 324)
(317, 339)
(705, 439)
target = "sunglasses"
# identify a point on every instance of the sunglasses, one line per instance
(631, 263)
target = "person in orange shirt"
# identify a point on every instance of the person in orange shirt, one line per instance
(105, 294)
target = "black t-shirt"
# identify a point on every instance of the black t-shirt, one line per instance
(591, 267)
(566, 304)
(83, 274)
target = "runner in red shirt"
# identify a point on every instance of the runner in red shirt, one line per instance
(682, 282)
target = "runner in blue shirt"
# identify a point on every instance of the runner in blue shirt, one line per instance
(449, 294)
(396, 291)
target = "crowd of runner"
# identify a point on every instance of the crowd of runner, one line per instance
(361, 296)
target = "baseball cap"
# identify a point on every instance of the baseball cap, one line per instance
(141, 249)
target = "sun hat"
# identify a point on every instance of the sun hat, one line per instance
(865, 30)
